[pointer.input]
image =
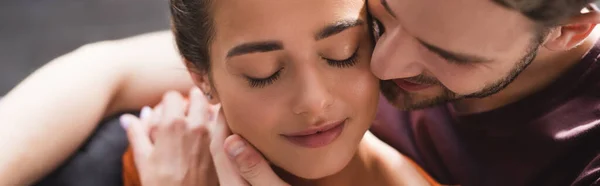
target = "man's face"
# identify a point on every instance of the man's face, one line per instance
(435, 51)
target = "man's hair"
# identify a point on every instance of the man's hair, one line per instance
(547, 13)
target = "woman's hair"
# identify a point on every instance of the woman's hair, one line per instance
(547, 13)
(193, 28)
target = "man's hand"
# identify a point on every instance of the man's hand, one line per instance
(237, 162)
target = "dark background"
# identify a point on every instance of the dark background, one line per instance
(33, 32)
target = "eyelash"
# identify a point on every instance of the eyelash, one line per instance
(262, 82)
(378, 29)
(344, 63)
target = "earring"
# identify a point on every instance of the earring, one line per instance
(208, 95)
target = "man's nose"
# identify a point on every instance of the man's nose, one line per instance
(396, 55)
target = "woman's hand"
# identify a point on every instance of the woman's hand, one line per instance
(171, 143)
(172, 148)
(237, 162)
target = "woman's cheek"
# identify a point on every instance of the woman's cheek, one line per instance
(361, 91)
(250, 117)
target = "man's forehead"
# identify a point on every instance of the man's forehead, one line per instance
(463, 24)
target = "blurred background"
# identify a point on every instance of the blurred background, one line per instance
(33, 32)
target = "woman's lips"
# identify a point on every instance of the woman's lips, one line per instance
(410, 86)
(319, 137)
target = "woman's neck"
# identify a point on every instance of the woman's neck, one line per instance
(374, 163)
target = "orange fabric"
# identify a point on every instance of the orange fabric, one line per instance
(130, 173)
(132, 178)
(429, 179)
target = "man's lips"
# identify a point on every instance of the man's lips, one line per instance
(316, 137)
(410, 86)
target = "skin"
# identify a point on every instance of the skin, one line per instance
(177, 153)
(129, 81)
(309, 91)
(502, 38)
(121, 82)
(561, 49)
(473, 27)
(171, 143)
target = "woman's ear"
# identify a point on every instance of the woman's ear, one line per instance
(573, 32)
(202, 80)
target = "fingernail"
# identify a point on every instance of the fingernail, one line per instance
(196, 91)
(216, 109)
(145, 113)
(157, 115)
(125, 121)
(236, 148)
(212, 117)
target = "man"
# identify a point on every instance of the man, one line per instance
(519, 73)
(522, 80)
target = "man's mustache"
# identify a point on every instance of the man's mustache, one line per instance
(422, 79)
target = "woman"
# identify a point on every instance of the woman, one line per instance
(123, 85)
(297, 86)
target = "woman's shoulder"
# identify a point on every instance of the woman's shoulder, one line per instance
(393, 167)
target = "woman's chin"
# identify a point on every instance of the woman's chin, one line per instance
(316, 174)
(314, 170)
(316, 163)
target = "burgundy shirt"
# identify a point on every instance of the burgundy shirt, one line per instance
(549, 138)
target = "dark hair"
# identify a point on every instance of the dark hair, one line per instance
(546, 13)
(193, 27)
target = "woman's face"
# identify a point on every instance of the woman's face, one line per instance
(285, 69)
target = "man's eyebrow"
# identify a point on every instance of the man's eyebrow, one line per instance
(453, 56)
(386, 6)
(253, 47)
(337, 27)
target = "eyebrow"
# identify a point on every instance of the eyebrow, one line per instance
(254, 47)
(268, 46)
(337, 27)
(453, 56)
(386, 6)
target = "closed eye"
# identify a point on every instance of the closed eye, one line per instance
(344, 63)
(262, 82)
(378, 29)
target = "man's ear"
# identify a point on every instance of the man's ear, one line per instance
(202, 80)
(573, 32)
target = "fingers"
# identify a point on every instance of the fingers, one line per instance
(171, 117)
(154, 120)
(240, 164)
(219, 131)
(198, 118)
(198, 111)
(174, 107)
(146, 114)
(251, 165)
(137, 134)
(226, 170)
(165, 142)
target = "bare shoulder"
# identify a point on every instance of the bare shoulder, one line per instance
(393, 167)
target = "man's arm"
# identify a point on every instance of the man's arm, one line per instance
(49, 115)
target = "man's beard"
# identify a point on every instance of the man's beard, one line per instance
(411, 101)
